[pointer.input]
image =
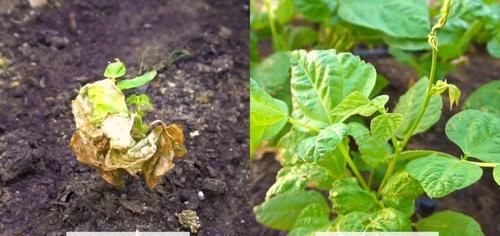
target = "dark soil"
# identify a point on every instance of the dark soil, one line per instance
(52, 52)
(479, 200)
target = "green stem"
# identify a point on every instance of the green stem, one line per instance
(301, 124)
(276, 39)
(370, 179)
(401, 145)
(484, 164)
(343, 150)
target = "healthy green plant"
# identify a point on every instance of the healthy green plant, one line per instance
(324, 24)
(471, 21)
(402, 26)
(337, 140)
(111, 136)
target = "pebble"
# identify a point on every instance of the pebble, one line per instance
(225, 32)
(194, 134)
(201, 195)
(213, 185)
(223, 63)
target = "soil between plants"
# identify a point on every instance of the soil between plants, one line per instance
(479, 200)
(51, 52)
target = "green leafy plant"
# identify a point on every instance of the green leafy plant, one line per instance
(110, 134)
(401, 26)
(294, 24)
(470, 22)
(335, 139)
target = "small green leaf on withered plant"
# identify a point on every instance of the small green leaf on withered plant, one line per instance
(115, 70)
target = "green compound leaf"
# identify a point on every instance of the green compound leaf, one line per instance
(288, 145)
(373, 151)
(352, 222)
(315, 10)
(273, 75)
(409, 105)
(384, 126)
(493, 46)
(313, 218)
(407, 44)
(281, 211)
(404, 205)
(439, 176)
(300, 36)
(486, 98)
(141, 102)
(401, 19)
(282, 10)
(347, 196)
(358, 104)
(401, 185)
(268, 116)
(400, 192)
(388, 220)
(298, 177)
(137, 81)
(115, 69)
(477, 133)
(450, 223)
(321, 79)
(384, 220)
(317, 147)
(496, 174)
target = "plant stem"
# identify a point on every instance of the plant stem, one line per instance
(401, 145)
(277, 43)
(343, 150)
(433, 42)
(484, 164)
(301, 124)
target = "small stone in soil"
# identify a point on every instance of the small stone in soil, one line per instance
(15, 157)
(216, 186)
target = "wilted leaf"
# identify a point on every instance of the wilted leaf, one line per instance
(170, 145)
(99, 99)
(117, 128)
(103, 137)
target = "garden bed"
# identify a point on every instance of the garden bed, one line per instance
(49, 53)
